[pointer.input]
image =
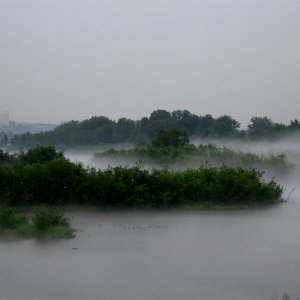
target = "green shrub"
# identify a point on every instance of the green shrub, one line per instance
(61, 182)
(40, 154)
(9, 219)
(47, 216)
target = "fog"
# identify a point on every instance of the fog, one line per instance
(217, 255)
(71, 59)
(289, 146)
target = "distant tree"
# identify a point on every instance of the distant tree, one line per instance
(4, 140)
(125, 130)
(158, 120)
(173, 137)
(205, 125)
(225, 126)
(259, 126)
(96, 122)
(160, 115)
(186, 120)
(181, 114)
(295, 124)
(40, 154)
(6, 158)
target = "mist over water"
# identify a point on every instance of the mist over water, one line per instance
(69, 60)
(289, 146)
(118, 255)
(217, 255)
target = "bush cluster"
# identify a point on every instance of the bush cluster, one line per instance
(9, 219)
(46, 220)
(47, 216)
(60, 182)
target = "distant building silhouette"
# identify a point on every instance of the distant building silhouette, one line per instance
(4, 118)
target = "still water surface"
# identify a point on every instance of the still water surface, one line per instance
(163, 255)
(241, 254)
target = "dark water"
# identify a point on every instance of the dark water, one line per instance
(242, 254)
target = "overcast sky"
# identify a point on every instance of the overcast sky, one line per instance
(63, 60)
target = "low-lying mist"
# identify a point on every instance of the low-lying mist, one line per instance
(289, 147)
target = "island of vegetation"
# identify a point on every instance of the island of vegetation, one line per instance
(172, 148)
(43, 176)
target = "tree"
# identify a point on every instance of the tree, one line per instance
(225, 126)
(124, 130)
(205, 125)
(40, 154)
(173, 137)
(294, 123)
(4, 140)
(159, 115)
(259, 125)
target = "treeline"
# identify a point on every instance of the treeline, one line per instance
(101, 129)
(44, 176)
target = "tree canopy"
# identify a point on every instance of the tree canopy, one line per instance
(173, 137)
(102, 130)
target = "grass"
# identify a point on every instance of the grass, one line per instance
(46, 221)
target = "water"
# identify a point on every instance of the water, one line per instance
(239, 254)
(145, 255)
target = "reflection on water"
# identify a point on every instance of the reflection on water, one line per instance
(241, 254)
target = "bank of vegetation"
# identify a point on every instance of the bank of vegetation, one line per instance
(193, 156)
(172, 148)
(43, 176)
(102, 130)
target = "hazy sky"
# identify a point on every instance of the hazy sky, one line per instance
(63, 60)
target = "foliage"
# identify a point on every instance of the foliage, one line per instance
(62, 182)
(5, 158)
(9, 219)
(97, 130)
(4, 140)
(46, 221)
(47, 216)
(102, 130)
(192, 156)
(173, 137)
(225, 126)
(40, 154)
(259, 125)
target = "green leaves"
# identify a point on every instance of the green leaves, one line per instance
(47, 216)
(9, 219)
(60, 181)
(45, 221)
(174, 137)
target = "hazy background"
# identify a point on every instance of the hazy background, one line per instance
(62, 60)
